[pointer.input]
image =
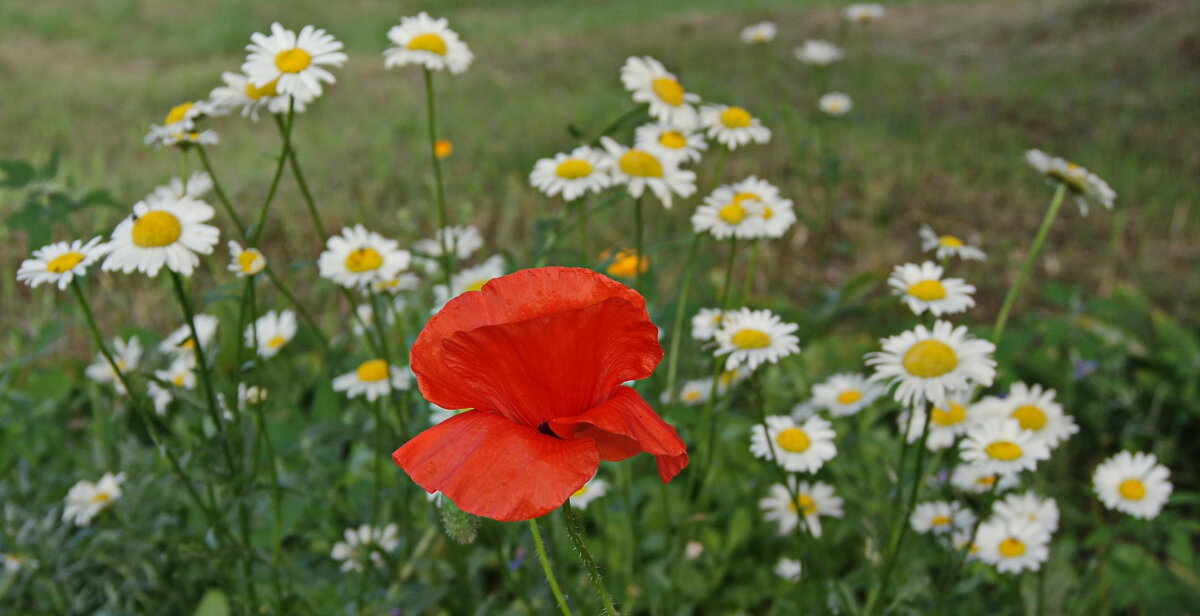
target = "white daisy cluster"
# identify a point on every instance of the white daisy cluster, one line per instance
(946, 246)
(85, 500)
(759, 33)
(816, 52)
(365, 543)
(749, 209)
(813, 501)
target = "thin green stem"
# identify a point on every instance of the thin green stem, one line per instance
(260, 222)
(582, 217)
(749, 279)
(377, 467)
(221, 197)
(586, 557)
(309, 202)
(264, 433)
(541, 552)
(685, 286)
(637, 241)
(439, 187)
(617, 123)
(300, 307)
(1043, 231)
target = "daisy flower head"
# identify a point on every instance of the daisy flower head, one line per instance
(691, 393)
(1133, 483)
(460, 240)
(705, 323)
(239, 94)
(271, 332)
(373, 379)
(358, 257)
(639, 170)
(816, 52)
(650, 82)
(245, 262)
(814, 499)
(862, 13)
(835, 103)
(468, 279)
(732, 127)
(168, 231)
(180, 342)
(788, 569)
(588, 492)
(1083, 185)
(181, 373)
(198, 184)
(754, 337)
(947, 246)
(932, 364)
(14, 563)
(923, 288)
(428, 42)
(294, 63)
(845, 394)
(126, 355)
(571, 174)
(1029, 507)
(797, 447)
(180, 123)
(973, 479)
(365, 542)
(1036, 410)
(1001, 446)
(1012, 546)
(948, 422)
(750, 208)
(85, 500)
(684, 145)
(941, 517)
(159, 396)
(59, 263)
(405, 281)
(759, 33)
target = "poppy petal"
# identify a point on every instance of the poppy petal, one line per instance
(624, 426)
(494, 468)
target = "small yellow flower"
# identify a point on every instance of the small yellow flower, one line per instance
(442, 148)
(625, 264)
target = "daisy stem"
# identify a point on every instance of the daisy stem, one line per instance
(300, 308)
(728, 285)
(586, 557)
(260, 223)
(380, 320)
(637, 241)
(685, 285)
(748, 282)
(307, 194)
(377, 467)
(582, 218)
(265, 436)
(241, 229)
(1027, 265)
(718, 170)
(439, 187)
(617, 123)
(541, 552)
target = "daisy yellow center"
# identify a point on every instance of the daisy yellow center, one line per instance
(767, 213)
(580, 492)
(940, 520)
(929, 359)
(803, 503)
(292, 60)
(256, 92)
(1030, 417)
(101, 497)
(1003, 450)
(246, 261)
(1011, 548)
(949, 241)
(188, 344)
(986, 481)
(177, 112)
(157, 228)
(275, 342)
(372, 370)
(949, 417)
(927, 290)
(751, 339)
(478, 284)
(690, 396)
(668, 90)
(672, 139)
(64, 262)
(178, 379)
(573, 169)
(640, 164)
(792, 440)
(732, 214)
(850, 396)
(735, 117)
(727, 376)
(428, 42)
(363, 259)
(1132, 489)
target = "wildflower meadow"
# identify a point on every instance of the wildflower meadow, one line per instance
(676, 308)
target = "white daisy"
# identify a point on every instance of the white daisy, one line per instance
(815, 500)
(973, 479)
(818, 53)
(931, 364)
(86, 500)
(756, 34)
(948, 246)
(1133, 483)
(428, 42)
(1083, 185)
(271, 332)
(365, 542)
(239, 94)
(753, 337)
(1035, 410)
(1029, 507)
(251, 395)
(691, 393)
(733, 127)
(941, 517)
(571, 174)
(59, 263)
(405, 281)
(294, 63)
(366, 316)
(181, 373)
(180, 342)
(125, 353)
(245, 261)
(373, 378)
(460, 241)
(198, 184)
(726, 213)
(469, 279)
(705, 323)
(788, 569)
(169, 231)
(923, 288)
(179, 123)
(652, 83)
(358, 257)
(638, 170)
(862, 13)
(804, 447)
(588, 492)
(684, 145)
(159, 396)
(1012, 546)
(835, 104)
(1001, 446)
(202, 137)
(845, 394)
(949, 421)
(16, 562)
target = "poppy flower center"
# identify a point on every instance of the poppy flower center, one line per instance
(372, 370)
(1030, 417)
(668, 90)
(1132, 489)
(803, 503)
(156, 228)
(949, 241)
(928, 359)
(735, 117)
(255, 92)
(792, 440)
(954, 415)
(672, 139)
(940, 520)
(275, 342)
(850, 396)
(927, 290)
(640, 164)
(64, 262)
(363, 260)
(292, 60)
(248, 261)
(751, 339)
(1011, 548)
(178, 112)
(1003, 450)
(573, 169)
(428, 42)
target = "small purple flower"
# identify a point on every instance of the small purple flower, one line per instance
(518, 558)
(1082, 368)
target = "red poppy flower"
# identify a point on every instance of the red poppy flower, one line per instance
(539, 356)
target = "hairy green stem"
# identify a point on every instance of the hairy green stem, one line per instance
(586, 557)
(541, 552)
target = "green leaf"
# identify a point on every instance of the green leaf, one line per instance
(213, 603)
(17, 173)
